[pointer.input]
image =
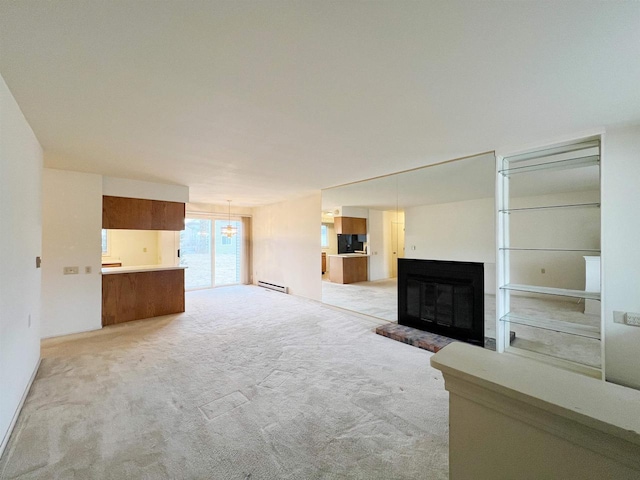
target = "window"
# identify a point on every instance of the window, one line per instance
(105, 243)
(324, 236)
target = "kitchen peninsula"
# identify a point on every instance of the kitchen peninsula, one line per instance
(135, 226)
(133, 293)
(348, 268)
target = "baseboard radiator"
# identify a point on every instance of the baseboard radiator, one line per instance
(273, 286)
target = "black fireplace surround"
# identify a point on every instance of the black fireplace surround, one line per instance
(442, 297)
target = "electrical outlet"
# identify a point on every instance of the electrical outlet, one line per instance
(70, 270)
(633, 319)
(87, 269)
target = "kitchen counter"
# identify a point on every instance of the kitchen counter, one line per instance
(349, 268)
(143, 291)
(139, 268)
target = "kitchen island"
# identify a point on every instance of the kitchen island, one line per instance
(348, 268)
(137, 292)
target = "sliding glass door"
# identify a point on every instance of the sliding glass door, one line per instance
(227, 254)
(212, 258)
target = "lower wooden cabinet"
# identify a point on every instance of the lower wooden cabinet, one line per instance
(133, 296)
(348, 269)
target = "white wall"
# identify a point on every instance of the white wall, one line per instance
(72, 212)
(20, 244)
(134, 247)
(621, 251)
(356, 212)
(124, 187)
(459, 231)
(286, 245)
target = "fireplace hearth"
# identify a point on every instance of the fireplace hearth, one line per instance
(442, 297)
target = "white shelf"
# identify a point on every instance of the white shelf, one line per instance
(579, 154)
(562, 292)
(554, 325)
(590, 250)
(551, 207)
(564, 151)
(552, 165)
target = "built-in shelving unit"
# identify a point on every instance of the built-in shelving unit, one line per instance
(543, 166)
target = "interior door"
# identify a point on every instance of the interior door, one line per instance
(397, 246)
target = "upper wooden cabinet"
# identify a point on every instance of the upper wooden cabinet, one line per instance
(141, 214)
(350, 225)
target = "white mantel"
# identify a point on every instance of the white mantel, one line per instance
(512, 417)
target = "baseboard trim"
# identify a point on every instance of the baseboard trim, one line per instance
(58, 335)
(14, 420)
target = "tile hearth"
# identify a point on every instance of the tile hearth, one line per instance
(425, 340)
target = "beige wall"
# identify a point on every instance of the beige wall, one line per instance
(20, 243)
(134, 247)
(286, 245)
(218, 209)
(459, 231)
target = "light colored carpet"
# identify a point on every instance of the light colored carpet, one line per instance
(380, 299)
(247, 384)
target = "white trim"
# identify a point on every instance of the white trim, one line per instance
(217, 214)
(72, 333)
(14, 420)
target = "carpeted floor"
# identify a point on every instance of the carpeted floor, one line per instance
(247, 384)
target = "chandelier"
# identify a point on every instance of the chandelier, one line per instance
(229, 231)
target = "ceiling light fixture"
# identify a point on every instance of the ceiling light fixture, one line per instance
(229, 231)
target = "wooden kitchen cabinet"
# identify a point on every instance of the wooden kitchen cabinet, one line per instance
(324, 262)
(350, 225)
(347, 269)
(141, 214)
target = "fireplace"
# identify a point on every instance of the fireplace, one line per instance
(442, 297)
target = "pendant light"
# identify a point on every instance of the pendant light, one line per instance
(229, 231)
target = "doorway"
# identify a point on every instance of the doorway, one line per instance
(212, 258)
(397, 245)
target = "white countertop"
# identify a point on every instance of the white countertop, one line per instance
(600, 405)
(350, 255)
(139, 268)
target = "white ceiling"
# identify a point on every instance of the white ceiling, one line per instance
(265, 100)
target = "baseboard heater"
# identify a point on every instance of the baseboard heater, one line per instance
(273, 286)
